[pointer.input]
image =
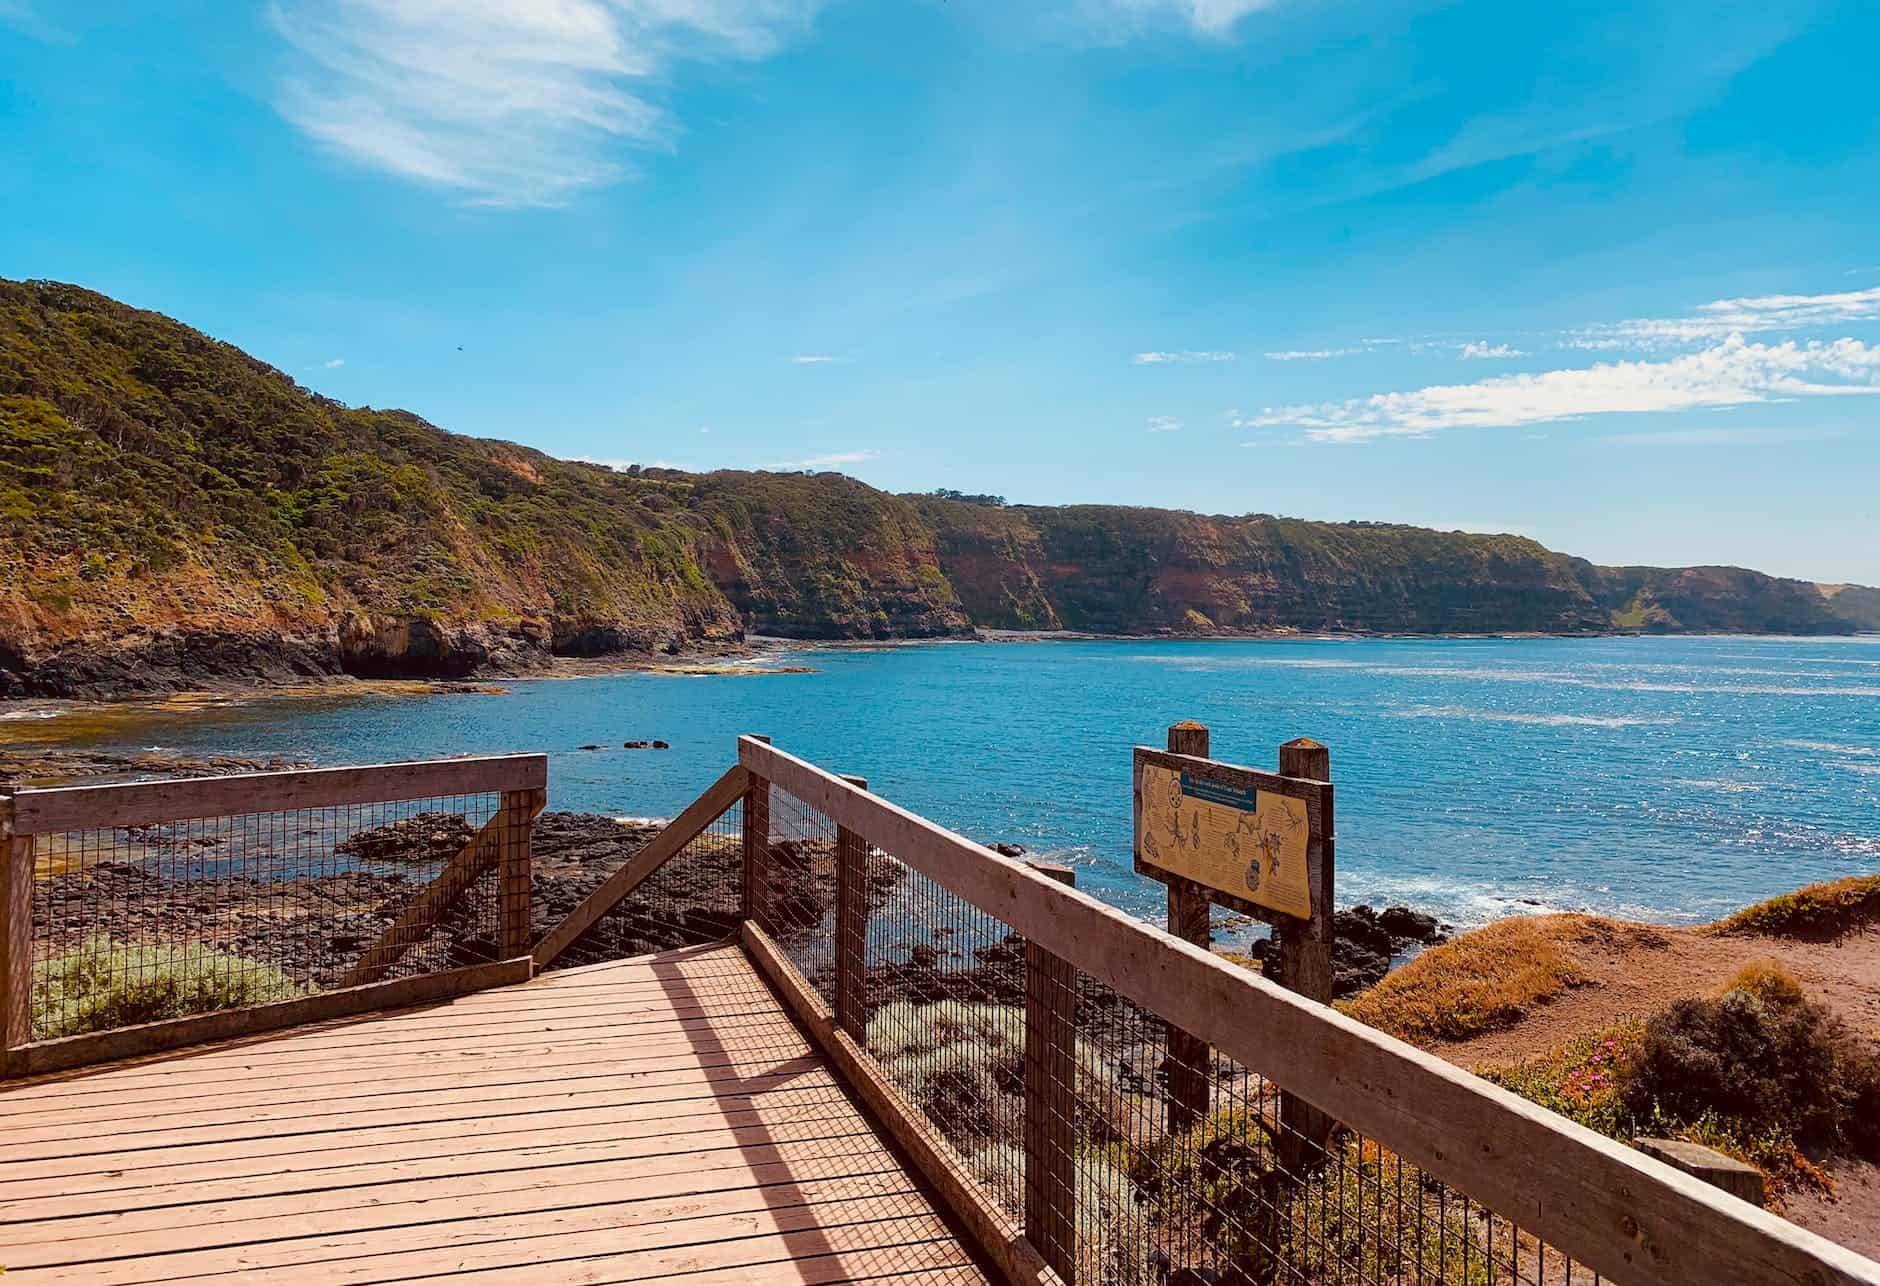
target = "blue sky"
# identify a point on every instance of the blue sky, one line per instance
(1607, 274)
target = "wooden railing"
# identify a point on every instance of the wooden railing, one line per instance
(120, 869)
(1588, 1199)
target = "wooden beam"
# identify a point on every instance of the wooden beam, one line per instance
(152, 1038)
(16, 932)
(755, 902)
(986, 1226)
(72, 808)
(515, 883)
(1610, 1207)
(1051, 1101)
(421, 914)
(1190, 918)
(1305, 958)
(851, 929)
(659, 850)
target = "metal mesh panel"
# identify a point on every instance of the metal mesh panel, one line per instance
(693, 898)
(140, 923)
(1127, 1155)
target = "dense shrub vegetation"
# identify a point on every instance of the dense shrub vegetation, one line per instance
(103, 985)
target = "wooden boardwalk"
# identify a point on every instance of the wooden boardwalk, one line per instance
(627, 1122)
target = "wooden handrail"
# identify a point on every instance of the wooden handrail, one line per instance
(59, 809)
(680, 831)
(1613, 1209)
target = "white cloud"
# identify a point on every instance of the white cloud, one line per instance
(1310, 354)
(833, 460)
(1482, 348)
(1754, 314)
(1190, 356)
(335, 363)
(1163, 424)
(1732, 373)
(1208, 17)
(506, 102)
(813, 359)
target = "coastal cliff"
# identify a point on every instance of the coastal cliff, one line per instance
(173, 510)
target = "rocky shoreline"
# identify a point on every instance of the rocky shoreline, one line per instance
(197, 660)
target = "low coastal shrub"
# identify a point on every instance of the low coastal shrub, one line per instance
(103, 985)
(1758, 1072)
(1819, 912)
(1765, 1058)
(1478, 982)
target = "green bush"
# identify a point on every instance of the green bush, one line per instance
(1767, 1059)
(102, 985)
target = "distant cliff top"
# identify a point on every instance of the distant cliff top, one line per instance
(169, 505)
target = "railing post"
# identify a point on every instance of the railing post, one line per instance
(1189, 1060)
(1305, 961)
(16, 935)
(515, 901)
(1051, 1100)
(756, 897)
(852, 927)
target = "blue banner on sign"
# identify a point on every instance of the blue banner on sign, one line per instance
(1214, 792)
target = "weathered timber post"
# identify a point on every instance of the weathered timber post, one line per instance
(756, 898)
(852, 927)
(1305, 958)
(515, 900)
(16, 936)
(1189, 1060)
(1051, 1099)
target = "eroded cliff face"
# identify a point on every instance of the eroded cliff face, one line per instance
(173, 511)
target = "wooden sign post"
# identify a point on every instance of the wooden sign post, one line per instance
(1256, 842)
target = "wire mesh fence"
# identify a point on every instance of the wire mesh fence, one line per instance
(138, 923)
(1127, 1154)
(694, 897)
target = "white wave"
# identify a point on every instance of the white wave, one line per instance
(1543, 720)
(1865, 770)
(1831, 748)
(1720, 786)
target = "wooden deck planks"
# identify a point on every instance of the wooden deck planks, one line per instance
(626, 1122)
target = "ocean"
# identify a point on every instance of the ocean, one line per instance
(1668, 779)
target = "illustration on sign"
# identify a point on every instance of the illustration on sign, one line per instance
(1251, 843)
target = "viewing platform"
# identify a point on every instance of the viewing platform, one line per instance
(346, 1025)
(654, 1118)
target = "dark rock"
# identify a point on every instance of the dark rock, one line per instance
(1404, 924)
(592, 745)
(662, 745)
(635, 745)
(1008, 849)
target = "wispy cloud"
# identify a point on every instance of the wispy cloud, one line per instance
(334, 363)
(833, 460)
(1733, 373)
(509, 104)
(1720, 318)
(813, 359)
(1310, 354)
(1119, 18)
(1188, 357)
(1163, 424)
(1482, 348)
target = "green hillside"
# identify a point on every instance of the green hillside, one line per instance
(172, 509)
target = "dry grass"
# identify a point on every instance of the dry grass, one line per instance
(1820, 912)
(1484, 980)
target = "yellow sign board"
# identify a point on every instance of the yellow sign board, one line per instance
(1236, 840)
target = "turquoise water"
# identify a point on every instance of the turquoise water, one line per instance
(1671, 779)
